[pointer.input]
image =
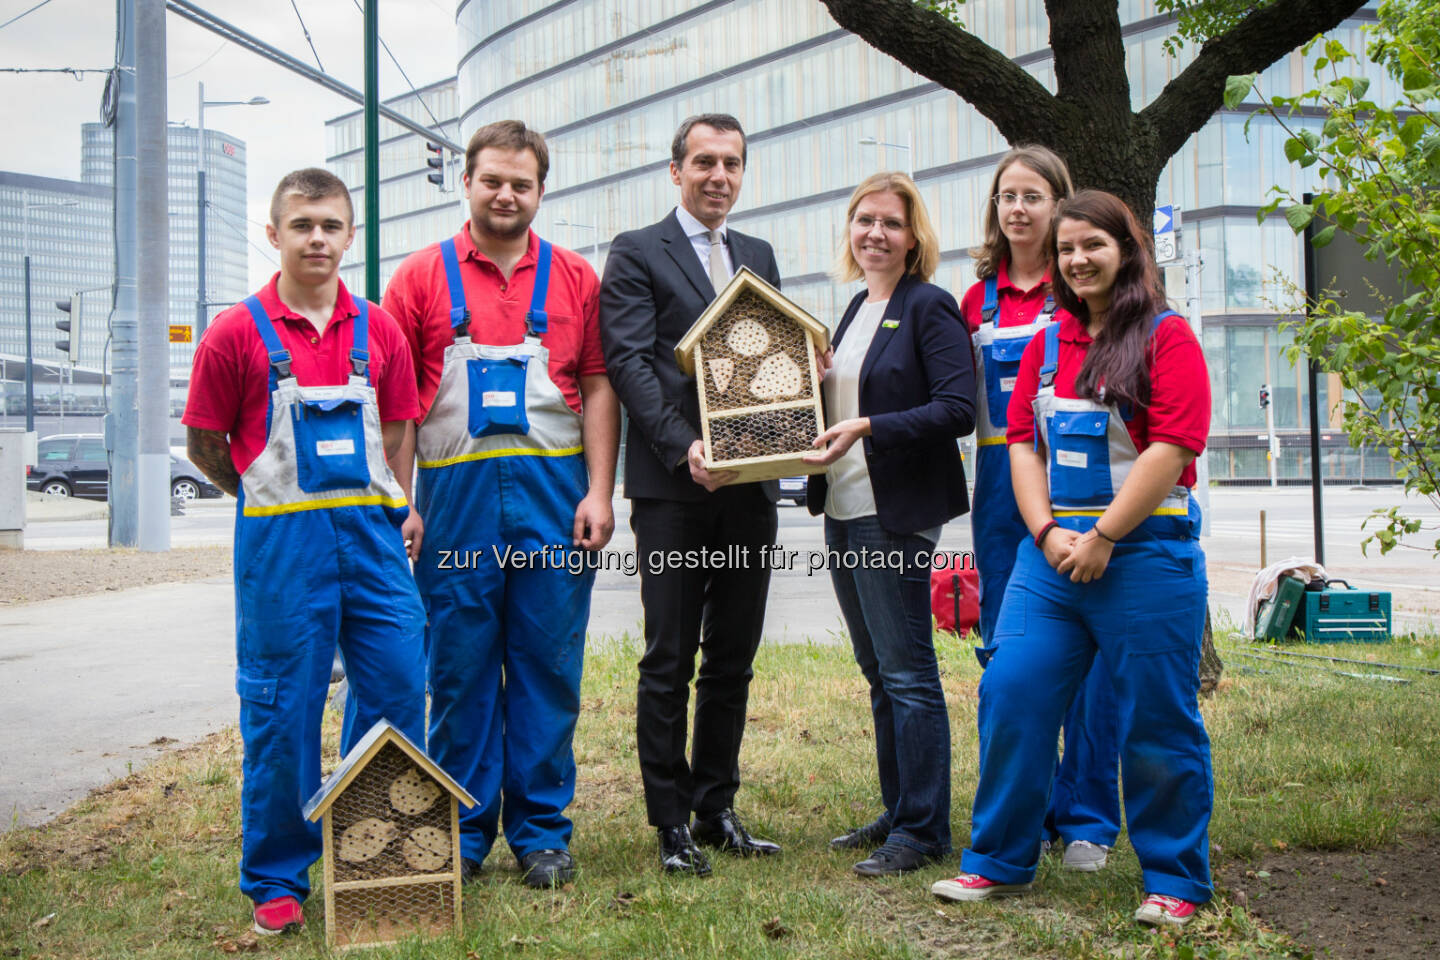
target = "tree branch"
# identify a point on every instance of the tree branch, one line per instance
(1089, 56)
(1259, 40)
(933, 46)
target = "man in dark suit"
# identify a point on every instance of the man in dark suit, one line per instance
(657, 282)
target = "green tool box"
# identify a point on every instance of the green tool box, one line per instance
(1333, 615)
(1277, 617)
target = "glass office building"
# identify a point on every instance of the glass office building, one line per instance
(64, 226)
(225, 238)
(608, 81)
(414, 211)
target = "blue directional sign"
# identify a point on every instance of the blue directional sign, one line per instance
(1166, 250)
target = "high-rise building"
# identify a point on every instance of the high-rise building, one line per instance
(225, 224)
(608, 84)
(413, 210)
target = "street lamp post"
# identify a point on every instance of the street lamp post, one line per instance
(202, 317)
(595, 243)
(907, 146)
(25, 207)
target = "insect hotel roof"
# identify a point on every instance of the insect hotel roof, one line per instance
(360, 756)
(745, 280)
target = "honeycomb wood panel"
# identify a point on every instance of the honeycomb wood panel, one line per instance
(762, 433)
(752, 356)
(393, 820)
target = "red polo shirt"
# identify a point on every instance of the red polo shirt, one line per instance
(230, 380)
(1179, 410)
(419, 299)
(1017, 307)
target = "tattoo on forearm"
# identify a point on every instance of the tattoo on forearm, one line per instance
(210, 451)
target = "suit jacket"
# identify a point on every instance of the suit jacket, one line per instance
(917, 386)
(653, 291)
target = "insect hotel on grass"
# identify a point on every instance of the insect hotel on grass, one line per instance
(392, 843)
(752, 353)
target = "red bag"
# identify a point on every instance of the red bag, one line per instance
(955, 592)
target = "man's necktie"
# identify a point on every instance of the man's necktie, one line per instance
(719, 272)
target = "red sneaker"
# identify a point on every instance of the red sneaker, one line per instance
(972, 886)
(1161, 911)
(281, 915)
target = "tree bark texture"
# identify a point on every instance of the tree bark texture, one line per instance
(1088, 120)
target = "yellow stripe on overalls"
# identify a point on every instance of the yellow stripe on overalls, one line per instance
(365, 501)
(990, 442)
(1159, 512)
(491, 454)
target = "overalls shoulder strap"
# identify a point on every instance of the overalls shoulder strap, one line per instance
(459, 310)
(279, 356)
(360, 340)
(1052, 355)
(991, 306)
(536, 321)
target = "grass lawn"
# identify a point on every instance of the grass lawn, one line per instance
(1304, 757)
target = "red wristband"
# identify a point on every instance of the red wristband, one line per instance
(1040, 537)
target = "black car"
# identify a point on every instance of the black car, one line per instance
(75, 465)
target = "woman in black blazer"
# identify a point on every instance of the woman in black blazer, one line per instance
(900, 390)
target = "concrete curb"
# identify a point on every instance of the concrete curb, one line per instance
(42, 507)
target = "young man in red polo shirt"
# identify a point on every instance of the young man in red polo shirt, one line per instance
(516, 457)
(297, 397)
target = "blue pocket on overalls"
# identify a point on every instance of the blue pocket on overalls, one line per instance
(1002, 363)
(330, 445)
(497, 396)
(1080, 457)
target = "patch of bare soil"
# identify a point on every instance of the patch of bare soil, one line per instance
(30, 575)
(1355, 906)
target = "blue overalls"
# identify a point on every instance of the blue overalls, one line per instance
(1085, 804)
(502, 471)
(318, 559)
(1145, 614)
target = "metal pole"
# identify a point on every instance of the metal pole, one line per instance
(200, 293)
(372, 151)
(153, 278)
(122, 431)
(29, 358)
(1316, 488)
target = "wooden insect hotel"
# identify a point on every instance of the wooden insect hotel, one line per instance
(752, 353)
(392, 843)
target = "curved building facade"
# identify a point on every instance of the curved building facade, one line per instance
(608, 81)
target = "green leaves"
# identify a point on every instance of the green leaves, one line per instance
(1238, 87)
(1299, 216)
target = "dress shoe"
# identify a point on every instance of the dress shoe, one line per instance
(893, 858)
(724, 831)
(869, 836)
(469, 870)
(678, 853)
(545, 869)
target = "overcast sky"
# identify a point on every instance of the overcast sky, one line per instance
(41, 114)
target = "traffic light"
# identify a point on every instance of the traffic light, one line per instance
(70, 346)
(1264, 395)
(436, 163)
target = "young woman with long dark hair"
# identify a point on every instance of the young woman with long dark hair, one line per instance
(1111, 407)
(1014, 300)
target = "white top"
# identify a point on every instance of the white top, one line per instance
(848, 495)
(699, 236)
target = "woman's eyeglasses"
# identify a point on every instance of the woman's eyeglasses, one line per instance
(1027, 200)
(890, 224)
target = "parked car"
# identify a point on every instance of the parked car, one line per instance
(75, 465)
(793, 488)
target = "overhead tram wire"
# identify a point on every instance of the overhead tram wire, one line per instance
(25, 14)
(433, 119)
(234, 34)
(306, 30)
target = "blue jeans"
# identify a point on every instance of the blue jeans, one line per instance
(887, 610)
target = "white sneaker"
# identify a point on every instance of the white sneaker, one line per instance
(1085, 856)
